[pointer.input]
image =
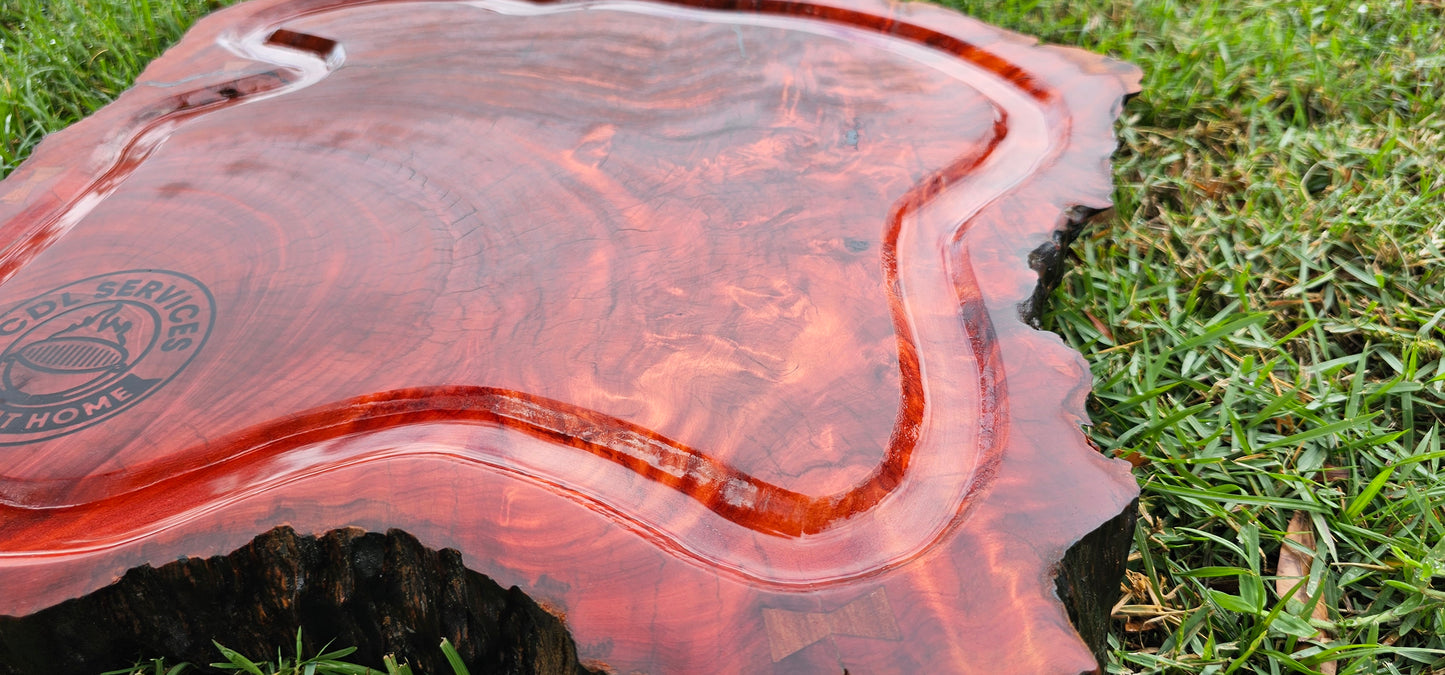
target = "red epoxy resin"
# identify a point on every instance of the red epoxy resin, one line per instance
(696, 321)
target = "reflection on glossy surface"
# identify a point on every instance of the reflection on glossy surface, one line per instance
(697, 322)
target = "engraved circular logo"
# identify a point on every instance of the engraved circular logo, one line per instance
(87, 351)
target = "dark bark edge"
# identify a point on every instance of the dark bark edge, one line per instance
(381, 593)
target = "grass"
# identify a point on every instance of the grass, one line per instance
(1263, 315)
(1264, 309)
(59, 61)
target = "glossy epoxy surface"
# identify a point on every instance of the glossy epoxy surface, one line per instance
(695, 323)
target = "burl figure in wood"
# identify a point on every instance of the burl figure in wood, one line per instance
(702, 322)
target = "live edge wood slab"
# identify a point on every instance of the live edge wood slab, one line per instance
(702, 323)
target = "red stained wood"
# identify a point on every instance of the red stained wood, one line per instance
(698, 322)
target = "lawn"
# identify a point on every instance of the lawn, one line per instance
(1262, 309)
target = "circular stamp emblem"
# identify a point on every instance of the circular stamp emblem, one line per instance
(88, 350)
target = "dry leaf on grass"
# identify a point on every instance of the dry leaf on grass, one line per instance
(1294, 565)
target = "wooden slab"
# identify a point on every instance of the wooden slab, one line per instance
(699, 322)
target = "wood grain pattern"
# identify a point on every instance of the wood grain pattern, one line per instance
(698, 322)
